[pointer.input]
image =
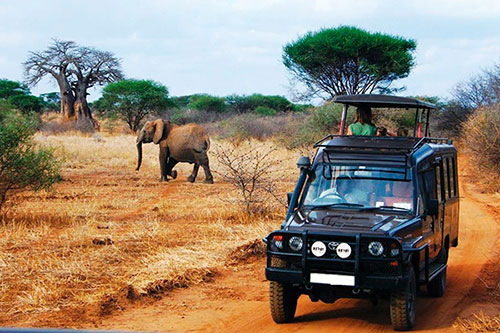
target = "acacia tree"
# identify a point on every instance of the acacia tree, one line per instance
(75, 69)
(348, 60)
(133, 100)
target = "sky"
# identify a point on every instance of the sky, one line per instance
(225, 47)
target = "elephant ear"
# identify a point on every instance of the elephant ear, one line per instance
(158, 131)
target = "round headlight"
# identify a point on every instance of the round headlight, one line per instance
(394, 252)
(295, 243)
(376, 249)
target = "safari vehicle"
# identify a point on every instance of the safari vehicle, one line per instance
(371, 217)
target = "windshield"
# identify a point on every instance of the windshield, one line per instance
(359, 186)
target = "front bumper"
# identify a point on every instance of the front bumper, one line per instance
(297, 267)
(388, 283)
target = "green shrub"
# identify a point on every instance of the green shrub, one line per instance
(327, 118)
(301, 107)
(265, 111)
(10, 88)
(245, 104)
(26, 103)
(208, 103)
(22, 163)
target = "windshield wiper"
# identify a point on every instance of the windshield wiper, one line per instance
(338, 204)
(387, 207)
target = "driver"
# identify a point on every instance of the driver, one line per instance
(361, 190)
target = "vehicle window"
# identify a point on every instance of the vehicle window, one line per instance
(446, 179)
(454, 176)
(438, 189)
(365, 185)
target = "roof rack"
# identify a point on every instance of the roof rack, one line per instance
(383, 101)
(393, 150)
(374, 144)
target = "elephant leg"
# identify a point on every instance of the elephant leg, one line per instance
(170, 165)
(193, 175)
(209, 179)
(163, 164)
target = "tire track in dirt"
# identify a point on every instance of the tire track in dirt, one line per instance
(237, 300)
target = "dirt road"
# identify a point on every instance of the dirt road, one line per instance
(236, 301)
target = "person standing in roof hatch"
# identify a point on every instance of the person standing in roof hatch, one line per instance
(362, 123)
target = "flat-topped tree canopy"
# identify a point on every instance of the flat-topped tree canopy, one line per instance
(383, 101)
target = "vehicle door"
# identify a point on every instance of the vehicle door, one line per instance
(430, 188)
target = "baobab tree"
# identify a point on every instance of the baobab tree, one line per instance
(76, 69)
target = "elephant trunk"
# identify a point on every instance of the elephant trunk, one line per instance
(139, 151)
(139, 156)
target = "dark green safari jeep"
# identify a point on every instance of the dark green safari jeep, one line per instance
(370, 217)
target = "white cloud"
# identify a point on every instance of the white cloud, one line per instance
(222, 47)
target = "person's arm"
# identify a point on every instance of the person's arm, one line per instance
(349, 131)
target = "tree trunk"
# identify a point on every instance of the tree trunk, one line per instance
(84, 120)
(67, 99)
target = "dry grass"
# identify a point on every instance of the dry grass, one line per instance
(481, 135)
(479, 323)
(164, 235)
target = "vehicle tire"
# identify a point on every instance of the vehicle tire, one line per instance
(437, 286)
(403, 304)
(283, 301)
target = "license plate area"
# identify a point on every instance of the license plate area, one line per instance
(332, 279)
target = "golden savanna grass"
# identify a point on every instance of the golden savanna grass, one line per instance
(164, 235)
(479, 323)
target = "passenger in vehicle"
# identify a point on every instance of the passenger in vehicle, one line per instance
(401, 195)
(402, 132)
(382, 131)
(362, 123)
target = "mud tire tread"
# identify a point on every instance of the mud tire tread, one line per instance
(400, 318)
(283, 302)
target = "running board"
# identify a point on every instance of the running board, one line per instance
(434, 270)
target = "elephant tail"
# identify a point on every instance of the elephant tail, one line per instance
(207, 143)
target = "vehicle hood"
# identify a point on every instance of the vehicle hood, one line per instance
(348, 221)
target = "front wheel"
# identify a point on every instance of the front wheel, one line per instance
(403, 304)
(283, 302)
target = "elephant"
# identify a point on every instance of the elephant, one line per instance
(188, 143)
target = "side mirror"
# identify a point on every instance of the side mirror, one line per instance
(433, 207)
(289, 198)
(304, 162)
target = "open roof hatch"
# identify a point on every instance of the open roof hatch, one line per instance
(386, 101)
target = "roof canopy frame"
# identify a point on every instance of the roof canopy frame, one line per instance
(386, 101)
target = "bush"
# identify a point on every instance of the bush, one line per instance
(481, 133)
(249, 170)
(22, 163)
(27, 103)
(12, 88)
(184, 116)
(245, 104)
(265, 111)
(208, 103)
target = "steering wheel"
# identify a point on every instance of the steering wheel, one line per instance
(332, 193)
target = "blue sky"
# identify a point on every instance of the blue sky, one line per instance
(225, 47)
